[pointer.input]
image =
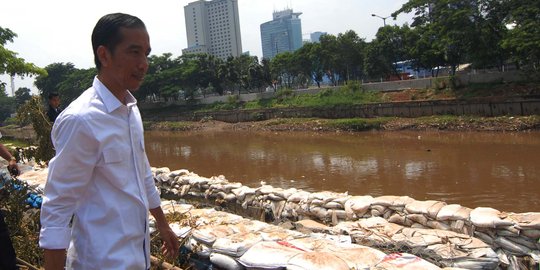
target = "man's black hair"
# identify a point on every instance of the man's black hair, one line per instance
(107, 31)
(53, 94)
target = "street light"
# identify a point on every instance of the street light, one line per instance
(383, 18)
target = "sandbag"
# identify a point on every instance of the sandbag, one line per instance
(236, 245)
(488, 218)
(404, 261)
(356, 256)
(258, 255)
(316, 260)
(225, 262)
(453, 212)
(526, 220)
(357, 206)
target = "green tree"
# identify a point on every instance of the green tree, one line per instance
(392, 44)
(451, 24)
(7, 105)
(56, 74)
(10, 63)
(34, 112)
(283, 68)
(523, 40)
(75, 83)
(486, 49)
(310, 62)
(350, 56)
(21, 96)
(329, 59)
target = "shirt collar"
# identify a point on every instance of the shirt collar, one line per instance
(110, 101)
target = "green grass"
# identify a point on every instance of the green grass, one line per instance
(351, 94)
(167, 125)
(10, 143)
(359, 124)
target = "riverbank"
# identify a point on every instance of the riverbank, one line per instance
(450, 123)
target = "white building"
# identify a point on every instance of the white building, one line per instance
(213, 27)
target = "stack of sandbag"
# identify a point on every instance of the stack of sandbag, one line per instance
(447, 248)
(510, 235)
(232, 242)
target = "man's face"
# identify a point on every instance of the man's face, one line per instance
(54, 102)
(128, 64)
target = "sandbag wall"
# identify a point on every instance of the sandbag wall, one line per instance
(509, 234)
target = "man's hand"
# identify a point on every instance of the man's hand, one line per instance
(171, 244)
(55, 259)
(13, 168)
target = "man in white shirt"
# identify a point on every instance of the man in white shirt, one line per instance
(100, 175)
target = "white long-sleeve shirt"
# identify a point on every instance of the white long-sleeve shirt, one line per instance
(100, 176)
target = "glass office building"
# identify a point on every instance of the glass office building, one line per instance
(282, 34)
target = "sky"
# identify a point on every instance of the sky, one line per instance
(56, 31)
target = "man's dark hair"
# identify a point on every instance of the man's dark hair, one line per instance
(107, 31)
(53, 94)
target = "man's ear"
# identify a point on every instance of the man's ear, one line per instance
(104, 55)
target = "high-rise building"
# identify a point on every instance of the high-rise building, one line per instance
(282, 34)
(213, 27)
(316, 36)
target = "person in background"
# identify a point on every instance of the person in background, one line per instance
(54, 106)
(100, 174)
(8, 259)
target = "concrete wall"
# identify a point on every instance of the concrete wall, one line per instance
(399, 109)
(441, 82)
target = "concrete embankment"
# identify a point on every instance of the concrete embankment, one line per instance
(338, 231)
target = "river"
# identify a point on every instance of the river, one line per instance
(499, 170)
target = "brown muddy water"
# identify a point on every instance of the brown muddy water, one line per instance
(499, 170)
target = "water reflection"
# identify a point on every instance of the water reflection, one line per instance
(474, 169)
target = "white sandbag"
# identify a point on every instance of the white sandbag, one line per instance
(299, 196)
(279, 234)
(285, 193)
(357, 206)
(413, 237)
(385, 200)
(422, 207)
(225, 262)
(198, 248)
(311, 225)
(404, 261)
(527, 220)
(209, 234)
(316, 260)
(356, 256)
(236, 245)
(180, 231)
(269, 255)
(453, 212)
(488, 218)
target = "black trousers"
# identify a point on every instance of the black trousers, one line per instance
(8, 260)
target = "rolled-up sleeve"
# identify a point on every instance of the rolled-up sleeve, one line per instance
(70, 172)
(154, 199)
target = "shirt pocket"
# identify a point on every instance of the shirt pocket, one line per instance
(113, 165)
